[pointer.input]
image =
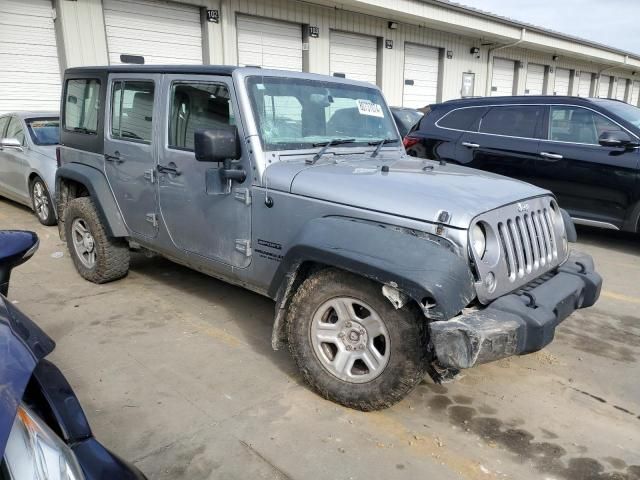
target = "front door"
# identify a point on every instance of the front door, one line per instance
(201, 214)
(129, 148)
(506, 141)
(15, 169)
(591, 181)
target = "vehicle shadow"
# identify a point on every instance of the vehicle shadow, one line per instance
(252, 313)
(623, 242)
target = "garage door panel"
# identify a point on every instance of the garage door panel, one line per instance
(502, 77)
(534, 84)
(29, 66)
(421, 68)
(162, 32)
(562, 81)
(621, 87)
(635, 93)
(603, 89)
(353, 55)
(147, 9)
(269, 43)
(584, 84)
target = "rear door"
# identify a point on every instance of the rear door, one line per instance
(130, 148)
(506, 142)
(591, 181)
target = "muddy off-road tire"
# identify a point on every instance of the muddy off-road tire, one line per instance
(97, 257)
(352, 345)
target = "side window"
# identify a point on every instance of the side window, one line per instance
(578, 125)
(132, 110)
(82, 105)
(512, 121)
(197, 106)
(463, 119)
(15, 130)
(3, 125)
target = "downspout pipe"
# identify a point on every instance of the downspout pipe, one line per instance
(600, 72)
(523, 31)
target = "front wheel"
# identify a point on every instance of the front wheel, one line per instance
(352, 345)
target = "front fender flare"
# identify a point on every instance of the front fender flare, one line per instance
(96, 183)
(416, 264)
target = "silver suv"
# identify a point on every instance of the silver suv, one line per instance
(383, 267)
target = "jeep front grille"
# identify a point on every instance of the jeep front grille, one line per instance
(523, 242)
(528, 243)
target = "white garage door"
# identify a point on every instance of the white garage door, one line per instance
(635, 93)
(29, 68)
(420, 75)
(269, 43)
(502, 79)
(563, 79)
(584, 85)
(621, 87)
(603, 89)
(535, 79)
(353, 56)
(162, 32)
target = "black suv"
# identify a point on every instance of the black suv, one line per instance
(583, 150)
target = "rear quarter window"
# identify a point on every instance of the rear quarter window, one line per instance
(82, 105)
(466, 119)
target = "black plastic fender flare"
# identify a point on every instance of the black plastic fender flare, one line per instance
(415, 265)
(96, 183)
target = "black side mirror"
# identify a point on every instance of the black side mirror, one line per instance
(217, 145)
(615, 139)
(16, 247)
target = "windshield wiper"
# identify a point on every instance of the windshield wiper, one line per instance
(381, 143)
(326, 145)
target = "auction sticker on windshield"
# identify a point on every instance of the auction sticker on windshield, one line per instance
(367, 107)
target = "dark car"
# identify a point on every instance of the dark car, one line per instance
(44, 433)
(584, 150)
(405, 118)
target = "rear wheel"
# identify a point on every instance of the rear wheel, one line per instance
(97, 257)
(352, 345)
(41, 202)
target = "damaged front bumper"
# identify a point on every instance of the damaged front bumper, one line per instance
(518, 323)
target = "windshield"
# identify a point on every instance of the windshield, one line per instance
(406, 118)
(294, 113)
(625, 111)
(44, 131)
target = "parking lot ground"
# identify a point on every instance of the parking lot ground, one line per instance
(176, 373)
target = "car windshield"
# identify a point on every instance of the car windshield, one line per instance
(44, 131)
(625, 111)
(293, 113)
(406, 118)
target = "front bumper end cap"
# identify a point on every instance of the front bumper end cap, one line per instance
(520, 322)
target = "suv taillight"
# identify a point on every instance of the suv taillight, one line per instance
(410, 141)
(58, 161)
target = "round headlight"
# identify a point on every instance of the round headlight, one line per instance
(478, 240)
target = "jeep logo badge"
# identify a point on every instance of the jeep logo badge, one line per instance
(523, 207)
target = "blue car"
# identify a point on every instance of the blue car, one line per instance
(44, 434)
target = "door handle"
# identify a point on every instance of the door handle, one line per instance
(168, 169)
(116, 158)
(551, 156)
(470, 145)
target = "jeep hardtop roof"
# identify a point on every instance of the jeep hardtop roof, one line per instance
(189, 69)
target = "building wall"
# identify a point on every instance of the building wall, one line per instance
(82, 40)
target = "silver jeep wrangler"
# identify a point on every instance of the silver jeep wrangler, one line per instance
(383, 267)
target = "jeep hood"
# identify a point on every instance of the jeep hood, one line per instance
(413, 188)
